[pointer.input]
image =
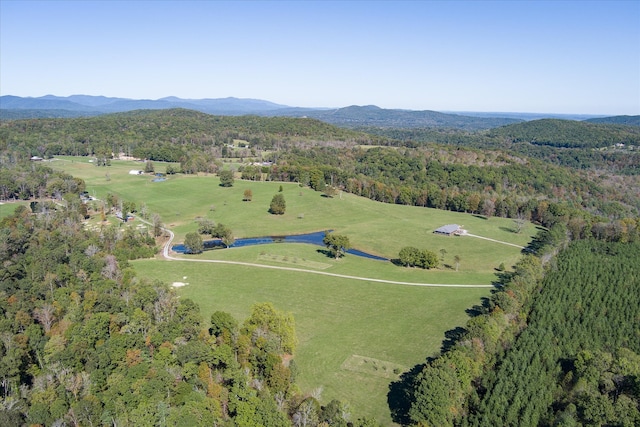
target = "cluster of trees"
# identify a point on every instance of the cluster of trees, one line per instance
(568, 133)
(86, 342)
(194, 243)
(414, 257)
(588, 371)
(26, 181)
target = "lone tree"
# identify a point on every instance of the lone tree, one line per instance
(330, 191)
(205, 226)
(149, 167)
(248, 195)
(443, 252)
(157, 225)
(519, 222)
(226, 178)
(338, 244)
(170, 170)
(193, 243)
(278, 205)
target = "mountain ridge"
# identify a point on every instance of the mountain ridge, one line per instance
(352, 116)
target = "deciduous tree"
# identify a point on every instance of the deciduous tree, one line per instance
(338, 244)
(226, 178)
(193, 243)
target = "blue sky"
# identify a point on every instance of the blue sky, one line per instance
(578, 57)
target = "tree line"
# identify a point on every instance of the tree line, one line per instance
(499, 172)
(556, 344)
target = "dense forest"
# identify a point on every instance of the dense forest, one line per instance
(166, 135)
(85, 342)
(555, 346)
(613, 149)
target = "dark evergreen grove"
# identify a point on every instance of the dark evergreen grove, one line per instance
(578, 361)
(554, 348)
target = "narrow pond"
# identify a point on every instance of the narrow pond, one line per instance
(309, 238)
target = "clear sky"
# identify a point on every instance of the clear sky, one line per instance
(578, 57)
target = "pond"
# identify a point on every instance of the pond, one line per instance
(309, 238)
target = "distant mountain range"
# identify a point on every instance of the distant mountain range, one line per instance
(50, 106)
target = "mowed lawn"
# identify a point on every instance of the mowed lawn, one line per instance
(354, 335)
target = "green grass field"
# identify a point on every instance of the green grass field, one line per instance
(7, 208)
(353, 334)
(336, 320)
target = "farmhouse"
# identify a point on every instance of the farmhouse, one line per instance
(450, 230)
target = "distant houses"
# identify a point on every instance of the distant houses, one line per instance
(450, 230)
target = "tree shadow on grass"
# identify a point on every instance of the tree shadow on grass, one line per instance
(400, 395)
(452, 336)
(479, 309)
(328, 253)
(539, 241)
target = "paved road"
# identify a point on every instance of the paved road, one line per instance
(168, 256)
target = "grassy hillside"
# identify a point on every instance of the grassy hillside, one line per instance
(355, 335)
(374, 227)
(338, 321)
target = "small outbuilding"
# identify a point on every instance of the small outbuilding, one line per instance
(135, 172)
(450, 230)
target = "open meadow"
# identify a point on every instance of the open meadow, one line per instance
(355, 336)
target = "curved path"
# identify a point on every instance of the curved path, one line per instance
(493, 240)
(166, 255)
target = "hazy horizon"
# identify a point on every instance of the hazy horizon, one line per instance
(459, 112)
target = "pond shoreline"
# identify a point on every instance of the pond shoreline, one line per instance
(308, 238)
